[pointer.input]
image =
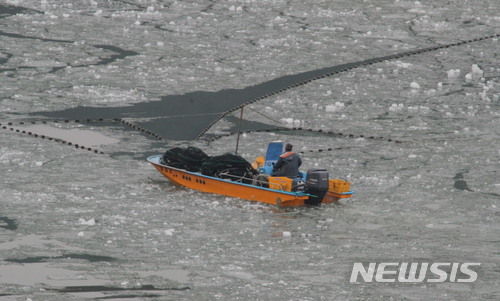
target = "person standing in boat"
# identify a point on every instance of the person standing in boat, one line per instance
(288, 164)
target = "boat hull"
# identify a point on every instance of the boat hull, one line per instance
(214, 185)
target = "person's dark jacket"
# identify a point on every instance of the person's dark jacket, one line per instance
(287, 165)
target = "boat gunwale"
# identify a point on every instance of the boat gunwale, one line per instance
(157, 162)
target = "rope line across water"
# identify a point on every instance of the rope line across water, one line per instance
(322, 132)
(47, 121)
(361, 64)
(87, 121)
(36, 135)
(141, 129)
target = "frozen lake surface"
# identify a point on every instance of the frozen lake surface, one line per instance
(419, 143)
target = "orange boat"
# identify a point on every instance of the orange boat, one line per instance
(276, 191)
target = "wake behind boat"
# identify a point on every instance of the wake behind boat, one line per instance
(233, 176)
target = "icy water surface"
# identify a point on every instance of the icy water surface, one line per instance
(420, 144)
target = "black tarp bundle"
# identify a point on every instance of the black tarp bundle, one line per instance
(226, 166)
(190, 158)
(229, 166)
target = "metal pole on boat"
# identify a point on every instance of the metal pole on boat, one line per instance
(239, 130)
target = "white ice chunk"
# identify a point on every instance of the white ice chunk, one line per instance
(331, 108)
(476, 71)
(412, 109)
(468, 77)
(475, 74)
(415, 85)
(453, 73)
(288, 121)
(424, 110)
(235, 9)
(402, 65)
(90, 222)
(396, 107)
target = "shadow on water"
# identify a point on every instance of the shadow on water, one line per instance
(8, 223)
(10, 10)
(88, 257)
(101, 288)
(104, 289)
(129, 296)
(119, 52)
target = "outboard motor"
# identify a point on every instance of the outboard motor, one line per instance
(317, 185)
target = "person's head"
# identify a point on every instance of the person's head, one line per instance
(288, 147)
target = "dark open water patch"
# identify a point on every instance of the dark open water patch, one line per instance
(20, 36)
(460, 183)
(87, 257)
(11, 10)
(101, 288)
(119, 53)
(129, 296)
(4, 58)
(8, 223)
